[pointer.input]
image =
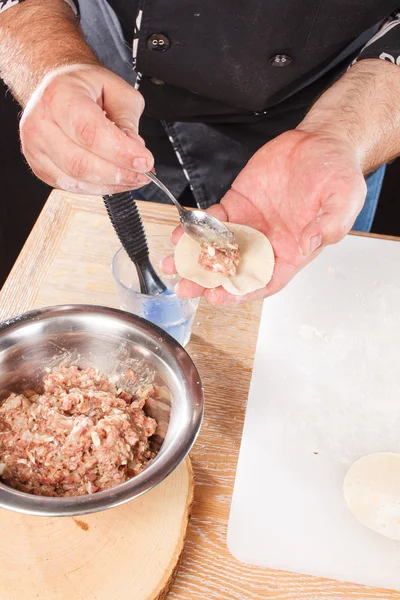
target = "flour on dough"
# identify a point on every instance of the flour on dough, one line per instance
(253, 272)
(372, 492)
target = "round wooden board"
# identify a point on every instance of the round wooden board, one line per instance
(130, 552)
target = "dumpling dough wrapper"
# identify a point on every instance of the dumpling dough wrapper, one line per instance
(253, 272)
(372, 492)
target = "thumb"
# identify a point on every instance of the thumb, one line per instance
(333, 222)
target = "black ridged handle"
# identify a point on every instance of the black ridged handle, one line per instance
(125, 218)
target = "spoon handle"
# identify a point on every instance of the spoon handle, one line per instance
(125, 218)
(182, 211)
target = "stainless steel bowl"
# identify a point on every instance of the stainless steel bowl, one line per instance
(109, 339)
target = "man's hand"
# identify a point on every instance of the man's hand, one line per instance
(304, 191)
(80, 123)
(79, 132)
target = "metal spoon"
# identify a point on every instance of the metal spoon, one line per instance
(199, 225)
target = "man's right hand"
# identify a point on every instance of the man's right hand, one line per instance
(79, 132)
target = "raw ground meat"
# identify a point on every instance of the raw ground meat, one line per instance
(220, 260)
(83, 434)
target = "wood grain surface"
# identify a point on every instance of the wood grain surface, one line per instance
(67, 259)
(109, 555)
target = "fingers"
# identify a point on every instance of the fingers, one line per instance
(86, 124)
(283, 274)
(218, 296)
(176, 235)
(168, 265)
(78, 163)
(333, 222)
(71, 133)
(44, 168)
(186, 289)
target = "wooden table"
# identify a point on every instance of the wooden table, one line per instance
(67, 260)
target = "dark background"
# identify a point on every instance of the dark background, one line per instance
(23, 195)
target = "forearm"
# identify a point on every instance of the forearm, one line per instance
(36, 37)
(363, 109)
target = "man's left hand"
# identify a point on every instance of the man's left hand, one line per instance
(303, 191)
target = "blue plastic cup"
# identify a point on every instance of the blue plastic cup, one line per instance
(169, 312)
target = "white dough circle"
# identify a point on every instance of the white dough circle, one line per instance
(372, 492)
(253, 272)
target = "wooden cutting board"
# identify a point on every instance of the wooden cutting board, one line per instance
(131, 551)
(67, 259)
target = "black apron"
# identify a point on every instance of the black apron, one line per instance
(221, 78)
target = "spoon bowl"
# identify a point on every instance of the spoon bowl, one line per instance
(206, 229)
(198, 224)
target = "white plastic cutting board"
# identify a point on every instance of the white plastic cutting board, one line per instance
(325, 390)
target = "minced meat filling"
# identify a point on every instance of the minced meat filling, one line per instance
(81, 435)
(220, 260)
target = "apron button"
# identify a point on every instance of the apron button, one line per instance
(280, 60)
(158, 42)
